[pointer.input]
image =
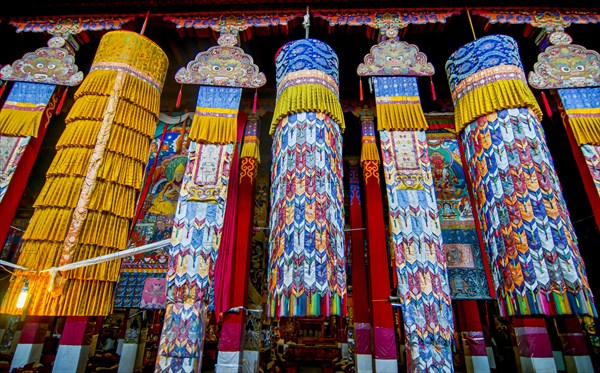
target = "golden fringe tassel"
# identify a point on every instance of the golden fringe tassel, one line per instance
(115, 167)
(64, 191)
(127, 115)
(79, 297)
(585, 129)
(51, 257)
(213, 130)
(136, 91)
(20, 122)
(122, 140)
(493, 97)
(48, 224)
(307, 98)
(401, 117)
(103, 229)
(369, 152)
(250, 149)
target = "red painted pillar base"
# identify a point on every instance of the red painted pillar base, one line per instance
(532, 345)
(74, 346)
(474, 344)
(230, 342)
(575, 350)
(31, 342)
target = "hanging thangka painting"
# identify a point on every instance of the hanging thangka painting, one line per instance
(466, 272)
(142, 281)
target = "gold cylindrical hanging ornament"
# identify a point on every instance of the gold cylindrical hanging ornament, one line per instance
(86, 205)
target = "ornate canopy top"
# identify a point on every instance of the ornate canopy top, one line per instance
(307, 54)
(481, 54)
(49, 65)
(394, 57)
(565, 65)
(223, 65)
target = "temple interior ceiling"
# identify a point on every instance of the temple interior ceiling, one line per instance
(351, 43)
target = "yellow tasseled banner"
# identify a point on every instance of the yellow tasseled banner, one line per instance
(307, 98)
(79, 297)
(134, 67)
(401, 117)
(20, 122)
(137, 92)
(213, 129)
(250, 149)
(492, 97)
(585, 128)
(369, 152)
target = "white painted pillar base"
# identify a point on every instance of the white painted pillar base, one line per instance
(558, 360)
(139, 360)
(250, 361)
(538, 365)
(386, 365)
(128, 356)
(15, 342)
(120, 343)
(491, 358)
(26, 353)
(364, 363)
(578, 364)
(228, 362)
(71, 359)
(477, 364)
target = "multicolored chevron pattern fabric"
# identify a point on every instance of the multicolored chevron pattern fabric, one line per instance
(418, 252)
(592, 158)
(531, 244)
(197, 230)
(307, 274)
(11, 150)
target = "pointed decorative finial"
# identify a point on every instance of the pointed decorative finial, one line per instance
(306, 22)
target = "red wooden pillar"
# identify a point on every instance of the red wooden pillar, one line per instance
(360, 297)
(231, 339)
(473, 339)
(384, 336)
(31, 342)
(532, 344)
(74, 347)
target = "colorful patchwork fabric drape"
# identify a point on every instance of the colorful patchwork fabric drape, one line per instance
(85, 207)
(582, 106)
(26, 113)
(200, 213)
(574, 72)
(307, 274)
(413, 215)
(531, 244)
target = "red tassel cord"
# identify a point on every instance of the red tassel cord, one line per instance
(546, 105)
(62, 101)
(255, 101)
(178, 102)
(360, 88)
(433, 95)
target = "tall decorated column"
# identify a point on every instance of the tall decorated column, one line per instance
(574, 72)
(87, 203)
(39, 78)
(414, 224)
(307, 275)
(221, 71)
(531, 244)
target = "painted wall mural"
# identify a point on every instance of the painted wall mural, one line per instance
(466, 273)
(143, 274)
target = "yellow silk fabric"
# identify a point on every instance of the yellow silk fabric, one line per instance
(492, 97)
(401, 117)
(90, 290)
(585, 124)
(213, 129)
(307, 98)
(19, 122)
